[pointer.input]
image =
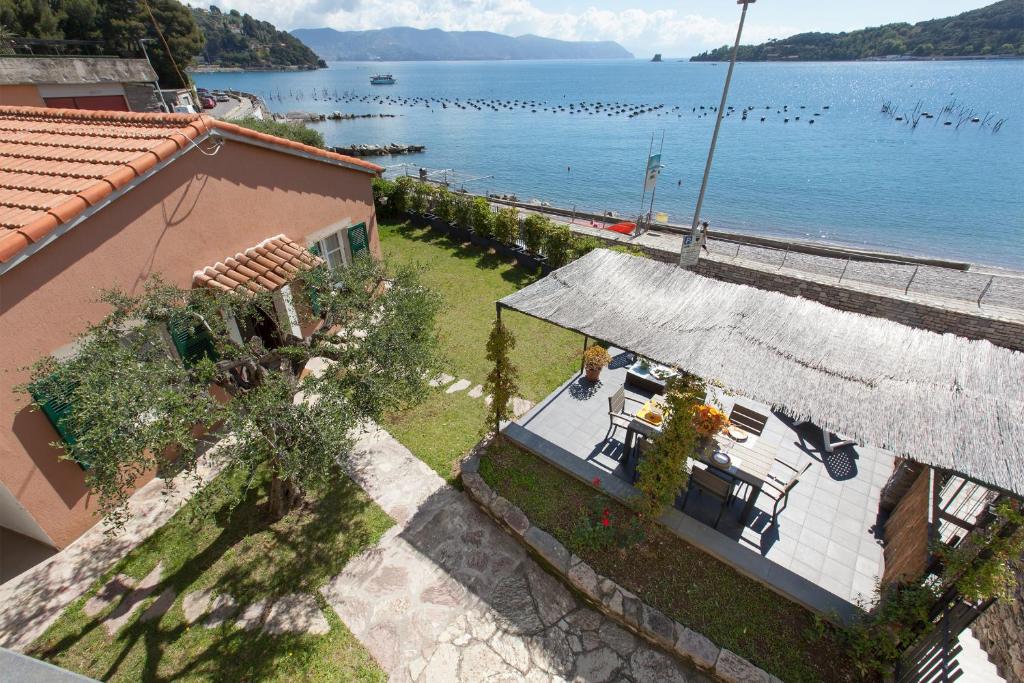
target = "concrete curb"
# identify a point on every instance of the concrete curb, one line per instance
(602, 593)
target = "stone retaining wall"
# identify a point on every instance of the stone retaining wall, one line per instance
(905, 310)
(1000, 630)
(607, 596)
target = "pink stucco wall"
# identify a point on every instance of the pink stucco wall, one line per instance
(193, 213)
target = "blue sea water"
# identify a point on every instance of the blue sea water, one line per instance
(854, 176)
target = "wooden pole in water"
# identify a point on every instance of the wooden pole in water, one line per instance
(718, 122)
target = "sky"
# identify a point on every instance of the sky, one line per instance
(676, 29)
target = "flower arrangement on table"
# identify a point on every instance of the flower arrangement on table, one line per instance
(709, 420)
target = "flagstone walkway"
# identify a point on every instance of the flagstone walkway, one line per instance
(447, 595)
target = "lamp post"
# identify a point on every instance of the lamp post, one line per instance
(718, 122)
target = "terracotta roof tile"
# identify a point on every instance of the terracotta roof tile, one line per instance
(55, 163)
(261, 268)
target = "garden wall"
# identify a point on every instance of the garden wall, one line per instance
(1000, 630)
(604, 594)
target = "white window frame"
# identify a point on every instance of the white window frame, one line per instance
(342, 250)
(339, 230)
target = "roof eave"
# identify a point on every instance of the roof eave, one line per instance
(230, 131)
(117, 190)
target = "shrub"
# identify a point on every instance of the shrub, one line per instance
(663, 468)
(876, 640)
(602, 528)
(558, 245)
(444, 204)
(482, 217)
(421, 197)
(401, 198)
(535, 232)
(627, 249)
(383, 195)
(583, 245)
(463, 211)
(295, 131)
(506, 226)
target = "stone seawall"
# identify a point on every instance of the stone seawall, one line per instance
(907, 310)
(942, 316)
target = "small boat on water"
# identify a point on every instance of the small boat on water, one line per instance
(382, 79)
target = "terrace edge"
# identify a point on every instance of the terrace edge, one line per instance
(600, 592)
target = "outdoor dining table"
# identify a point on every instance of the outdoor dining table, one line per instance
(750, 460)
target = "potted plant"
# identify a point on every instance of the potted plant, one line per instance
(594, 360)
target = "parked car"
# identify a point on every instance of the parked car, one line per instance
(223, 98)
(207, 102)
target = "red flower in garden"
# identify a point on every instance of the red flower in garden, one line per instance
(605, 521)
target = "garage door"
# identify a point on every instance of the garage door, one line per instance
(94, 102)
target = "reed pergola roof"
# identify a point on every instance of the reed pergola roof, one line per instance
(938, 399)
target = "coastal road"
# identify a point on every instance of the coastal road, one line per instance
(1000, 291)
(237, 107)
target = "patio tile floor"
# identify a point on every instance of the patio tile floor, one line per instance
(826, 533)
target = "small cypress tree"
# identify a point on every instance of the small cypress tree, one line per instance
(503, 381)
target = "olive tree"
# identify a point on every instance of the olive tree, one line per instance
(137, 405)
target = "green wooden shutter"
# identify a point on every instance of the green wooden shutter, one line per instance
(358, 240)
(193, 341)
(314, 300)
(311, 293)
(55, 401)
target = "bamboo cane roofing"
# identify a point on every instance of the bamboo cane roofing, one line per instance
(939, 399)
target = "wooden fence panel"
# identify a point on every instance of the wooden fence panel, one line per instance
(907, 533)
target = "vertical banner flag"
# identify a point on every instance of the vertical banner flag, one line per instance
(653, 169)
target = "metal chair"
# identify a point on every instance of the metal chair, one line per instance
(617, 415)
(778, 490)
(706, 482)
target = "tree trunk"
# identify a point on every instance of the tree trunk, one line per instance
(284, 495)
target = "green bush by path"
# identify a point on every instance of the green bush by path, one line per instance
(296, 131)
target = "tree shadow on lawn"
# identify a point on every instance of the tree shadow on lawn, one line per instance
(295, 554)
(485, 258)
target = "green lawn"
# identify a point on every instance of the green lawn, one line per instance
(239, 553)
(685, 583)
(469, 280)
(236, 550)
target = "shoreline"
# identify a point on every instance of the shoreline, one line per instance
(863, 60)
(817, 247)
(251, 69)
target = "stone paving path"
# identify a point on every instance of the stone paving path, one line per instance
(33, 600)
(520, 406)
(447, 595)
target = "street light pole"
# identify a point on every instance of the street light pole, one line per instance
(718, 122)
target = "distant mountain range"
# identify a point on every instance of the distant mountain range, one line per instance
(410, 44)
(997, 29)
